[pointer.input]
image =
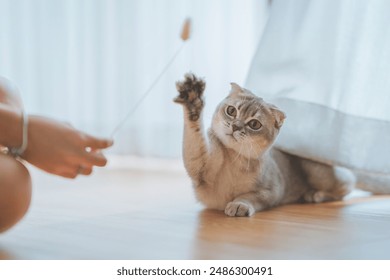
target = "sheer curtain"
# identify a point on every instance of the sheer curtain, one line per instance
(88, 61)
(327, 64)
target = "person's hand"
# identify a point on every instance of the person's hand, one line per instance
(58, 148)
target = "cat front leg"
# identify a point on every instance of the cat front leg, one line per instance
(239, 209)
(249, 203)
(195, 147)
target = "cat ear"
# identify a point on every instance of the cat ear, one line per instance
(236, 89)
(278, 115)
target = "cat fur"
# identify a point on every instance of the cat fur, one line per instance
(236, 168)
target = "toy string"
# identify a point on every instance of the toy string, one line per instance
(148, 91)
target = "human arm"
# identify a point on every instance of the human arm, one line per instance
(53, 146)
(60, 149)
(10, 126)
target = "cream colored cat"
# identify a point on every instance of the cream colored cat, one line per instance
(237, 169)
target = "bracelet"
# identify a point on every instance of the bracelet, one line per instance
(17, 152)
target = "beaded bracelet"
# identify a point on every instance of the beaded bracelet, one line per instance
(17, 152)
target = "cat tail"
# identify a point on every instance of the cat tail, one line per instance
(377, 184)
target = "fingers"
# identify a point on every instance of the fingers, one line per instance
(72, 173)
(92, 155)
(84, 170)
(87, 156)
(97, 143)
(94, 158)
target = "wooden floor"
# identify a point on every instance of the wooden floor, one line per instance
(151, 214)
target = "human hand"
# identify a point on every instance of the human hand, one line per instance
(59, 149)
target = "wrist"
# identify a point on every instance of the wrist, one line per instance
(11, 127)
(18, 152)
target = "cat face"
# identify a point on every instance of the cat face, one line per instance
(246, 123)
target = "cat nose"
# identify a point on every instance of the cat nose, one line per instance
(237, 126)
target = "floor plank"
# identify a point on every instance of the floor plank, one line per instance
(152, 214)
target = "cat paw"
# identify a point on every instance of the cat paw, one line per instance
(314, 196)
(239, 209)
(191, 95)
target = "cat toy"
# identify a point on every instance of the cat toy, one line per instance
(185, 35)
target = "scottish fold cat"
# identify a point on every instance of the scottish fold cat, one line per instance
(236, 168)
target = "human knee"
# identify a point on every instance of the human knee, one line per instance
(15, 192)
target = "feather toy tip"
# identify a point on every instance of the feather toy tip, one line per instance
(186, 31)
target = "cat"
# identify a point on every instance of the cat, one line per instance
(237, 169)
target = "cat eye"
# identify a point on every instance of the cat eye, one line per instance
(231, 111)
(254, 124)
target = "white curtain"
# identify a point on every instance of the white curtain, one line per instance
(327, 64)
(88, 61)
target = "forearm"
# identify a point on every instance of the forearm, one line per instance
(10, 126)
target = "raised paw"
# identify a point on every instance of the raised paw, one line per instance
(191, 95)
(239, 209)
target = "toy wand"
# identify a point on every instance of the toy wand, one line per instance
(185, 35)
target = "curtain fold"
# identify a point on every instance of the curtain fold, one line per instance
(327, 64)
